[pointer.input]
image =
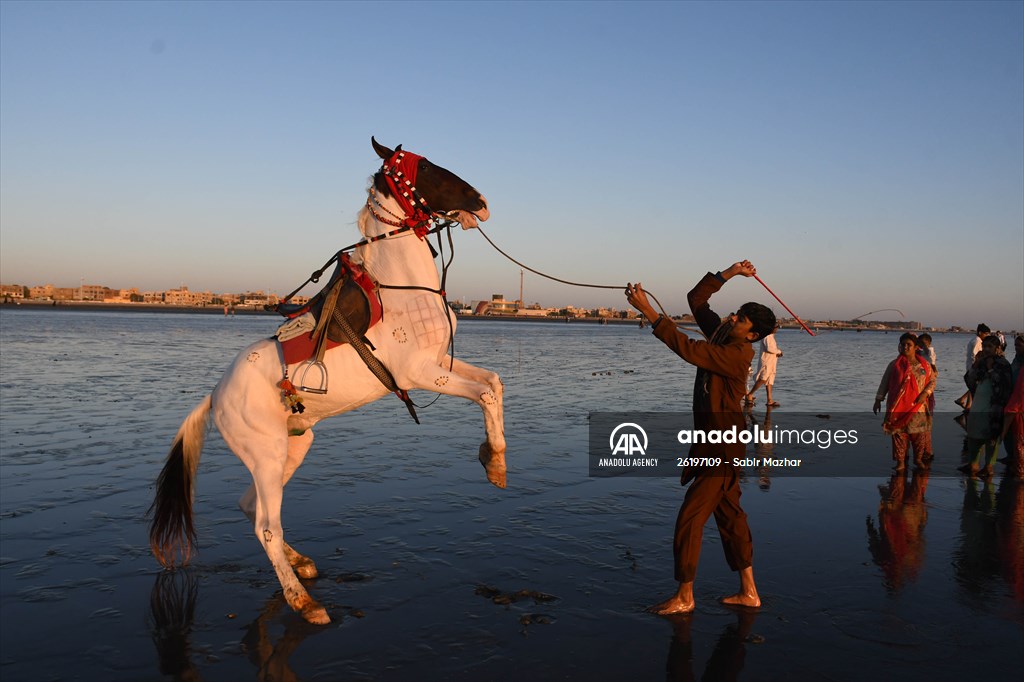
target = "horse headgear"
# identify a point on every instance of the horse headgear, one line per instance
(400, 174)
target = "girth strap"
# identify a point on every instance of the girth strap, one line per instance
(372, 362)
(326, 313)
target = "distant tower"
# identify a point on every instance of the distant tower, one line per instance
(520, 289)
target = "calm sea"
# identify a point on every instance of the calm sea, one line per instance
(429, 572)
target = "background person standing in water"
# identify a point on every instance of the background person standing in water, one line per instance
(720, 384)
(973, 348)
(990, 381)
(766, 366)
(907, 383)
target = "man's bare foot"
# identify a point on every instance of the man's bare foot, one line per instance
(969, 469)
(742, 599)
(494, 464)
(672, 605)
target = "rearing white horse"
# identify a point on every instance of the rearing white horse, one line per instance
(252, 412)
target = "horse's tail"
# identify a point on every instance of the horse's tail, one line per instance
(172, 531)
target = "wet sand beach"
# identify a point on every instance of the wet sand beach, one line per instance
(431, 573)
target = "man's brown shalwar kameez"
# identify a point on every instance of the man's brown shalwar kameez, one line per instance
(722, 365)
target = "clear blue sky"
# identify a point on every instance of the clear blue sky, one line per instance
(863, 155)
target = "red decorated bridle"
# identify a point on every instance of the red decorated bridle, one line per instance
(400, 175)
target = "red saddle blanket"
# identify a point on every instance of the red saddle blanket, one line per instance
(358, 299)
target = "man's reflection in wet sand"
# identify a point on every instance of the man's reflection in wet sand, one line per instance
(727, 658)
(991, 537)
(172, 607)
(897, 543)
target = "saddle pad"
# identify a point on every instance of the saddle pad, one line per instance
(302, 348)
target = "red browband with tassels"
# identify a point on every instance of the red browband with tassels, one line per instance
(400, 174)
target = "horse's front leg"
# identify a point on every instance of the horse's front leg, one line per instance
(485, 389)
(298, 446)
(483, 376)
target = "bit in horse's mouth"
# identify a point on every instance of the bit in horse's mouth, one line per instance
(468, 219)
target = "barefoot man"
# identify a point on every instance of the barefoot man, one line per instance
(721, 379)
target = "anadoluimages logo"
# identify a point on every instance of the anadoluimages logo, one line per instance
(628, 439)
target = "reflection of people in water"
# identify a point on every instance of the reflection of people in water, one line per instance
(762, 450)
(1010, 506)
(992, 538)
(897, 544)
(726, 661)
(975, 560)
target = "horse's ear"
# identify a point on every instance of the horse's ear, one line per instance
(382, 151)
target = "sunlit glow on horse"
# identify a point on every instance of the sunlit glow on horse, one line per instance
(251, 413)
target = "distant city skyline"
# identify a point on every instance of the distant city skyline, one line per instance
(862, 155)
(235, 296)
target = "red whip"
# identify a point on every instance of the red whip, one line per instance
(806, 328)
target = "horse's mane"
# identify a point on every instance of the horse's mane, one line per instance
(381, 185)
(363, 218)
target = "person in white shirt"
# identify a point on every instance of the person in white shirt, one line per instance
(770, 354)
(973, 347)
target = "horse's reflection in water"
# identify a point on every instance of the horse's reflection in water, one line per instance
(725, 662)
(269, 657)
(172, 606)
(172, 609)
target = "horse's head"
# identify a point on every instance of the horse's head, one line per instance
(441, 190)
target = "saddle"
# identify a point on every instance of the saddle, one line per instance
(350, 297)
(341, 313)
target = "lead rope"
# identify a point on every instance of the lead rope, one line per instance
(574, 284)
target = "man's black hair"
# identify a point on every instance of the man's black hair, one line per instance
(761, 317)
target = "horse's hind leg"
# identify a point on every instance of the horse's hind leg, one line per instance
(266, 456)
(268, 475)
(298, 446)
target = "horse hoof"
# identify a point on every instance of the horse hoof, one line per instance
(306, 570)
(316, 614)
(494, 465)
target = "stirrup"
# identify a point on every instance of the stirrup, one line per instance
(300, 376)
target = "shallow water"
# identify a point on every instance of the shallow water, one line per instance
(422, 561)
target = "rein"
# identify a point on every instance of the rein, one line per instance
(565, 281)
(608, 286)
